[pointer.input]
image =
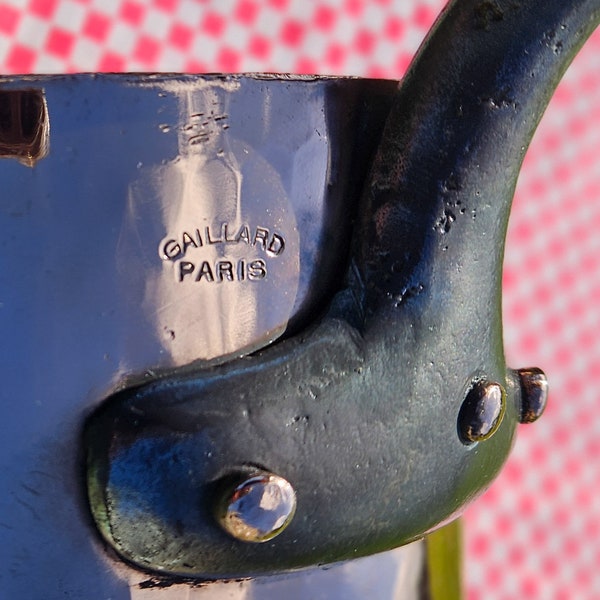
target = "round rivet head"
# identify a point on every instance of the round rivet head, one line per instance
(257, 507)
(534, 394)
(481, 412)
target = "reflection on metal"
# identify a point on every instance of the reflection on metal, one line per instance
(238, 216)
(230, 249)
(400, 574)
(534, 393)
(82, 311)
(481, 413)
(24, 125)
(255, 506)
(360, 406)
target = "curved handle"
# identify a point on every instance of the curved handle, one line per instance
(381, 416)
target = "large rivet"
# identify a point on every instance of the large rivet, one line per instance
(481, 412)
(257, 507)
(534, 394)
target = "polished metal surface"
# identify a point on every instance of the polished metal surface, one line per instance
(482, 411)
(258, 507)
(88, 300)
(534, 393)
(400, 574)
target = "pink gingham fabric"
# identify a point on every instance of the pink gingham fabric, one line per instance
(536, 532)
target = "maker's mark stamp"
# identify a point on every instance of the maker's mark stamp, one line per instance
(225, 238)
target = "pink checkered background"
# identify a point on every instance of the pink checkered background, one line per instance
(536, 532)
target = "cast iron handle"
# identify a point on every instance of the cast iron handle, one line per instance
(396, 409)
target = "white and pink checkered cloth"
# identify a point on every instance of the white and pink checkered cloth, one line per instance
(536, 532)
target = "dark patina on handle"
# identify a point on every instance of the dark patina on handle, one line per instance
(396, 409)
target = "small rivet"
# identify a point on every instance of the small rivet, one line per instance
(257, 507)
(534, 394)
(481, 412)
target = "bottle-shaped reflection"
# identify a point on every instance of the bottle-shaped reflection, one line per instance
(225, 247)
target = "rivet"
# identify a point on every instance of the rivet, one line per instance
(534, 394)
(481, 412)
(257, 507)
